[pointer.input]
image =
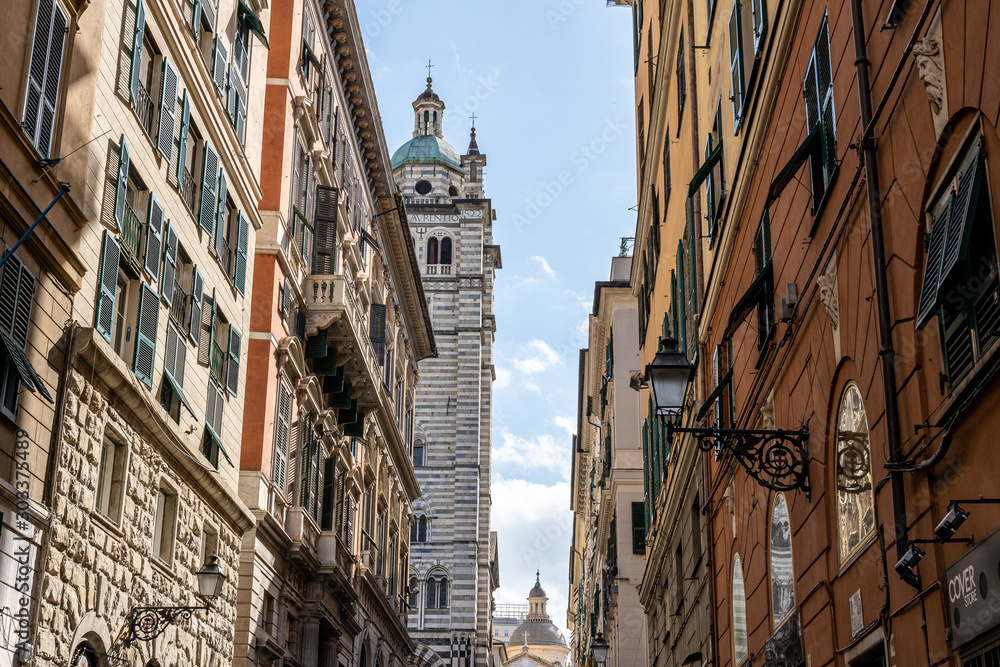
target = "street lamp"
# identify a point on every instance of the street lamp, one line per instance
(599, 649)
(778, 460)
(148, 623)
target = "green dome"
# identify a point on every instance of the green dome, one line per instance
(427, 149)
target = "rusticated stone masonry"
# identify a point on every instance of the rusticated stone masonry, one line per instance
(96, 571)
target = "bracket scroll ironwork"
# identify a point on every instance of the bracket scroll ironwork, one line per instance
(777, 459)
(148, 623)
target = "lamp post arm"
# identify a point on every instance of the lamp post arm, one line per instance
(148, 623)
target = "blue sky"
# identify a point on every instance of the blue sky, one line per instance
(550, 82)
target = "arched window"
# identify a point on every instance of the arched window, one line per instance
(782, 575)
(363, 656)
(855, 502)
(453, 191)
(418, 455)
(446, 250)
(739, 614)
(432, 250)
(412, 592)
(418, 530)
(437, 592)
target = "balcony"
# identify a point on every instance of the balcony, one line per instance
(330, 302)
(305, 536)
(145, 110)
(131, 234)
(189, 192)
(178, 305)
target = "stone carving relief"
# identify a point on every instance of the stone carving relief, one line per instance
(767, 416)
(929, 56)
(828, 295)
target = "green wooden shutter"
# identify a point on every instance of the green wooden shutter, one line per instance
(220, 56)
(376, 330)
(282, 431)
(169, 264)
(209, 186)
(681, 291)
(963, 211)
(329, 481)
(137, 34)
(196, 14)
(305, 459)
(233, 367)
(645, 471)
(104, 313)
(182, 141)
(220, 221)
(638, 529)
(736, 62)
(325, 230)
(928, 302)
(121, 184)
(145, 335)
(197, 301)
(17, 287)
(168, 111)
(43, 75)
(242, 250)
(154, 242)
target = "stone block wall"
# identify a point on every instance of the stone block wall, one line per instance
(95, 571)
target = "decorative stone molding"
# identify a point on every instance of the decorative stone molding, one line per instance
(767, 416)
(929, 57)
(828, 294)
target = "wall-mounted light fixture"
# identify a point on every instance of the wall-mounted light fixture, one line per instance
(148, 623)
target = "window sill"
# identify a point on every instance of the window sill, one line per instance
(108, 524)
(986, 367)
(165, 568)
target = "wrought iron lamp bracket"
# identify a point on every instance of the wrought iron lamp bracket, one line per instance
(147, 623)
(778, 460)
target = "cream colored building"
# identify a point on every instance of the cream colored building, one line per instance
(537, 642)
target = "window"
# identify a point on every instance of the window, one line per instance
(855, 501)
(239, 79)
(666, 165)
(636, 31)
(309, 480)
(418, 455)
(766, 321)
(739, 614)
(209, 542)
(782, 573)
(715, 186)
(736, 71)
(638, 528)
(163, 529)
(219, 346)
(174, 364)
(325, 213)
(722, 373)
(377, 313)
(418, 529)
(42, 96)
(423, 187)
(681, 78)
(282, 432)
(640, 123)
(437, 592)
(446, 250)
(960, 282)
(432, 250)
(818, 93)
(110, 479)
(17, 289)
(412, 592)
(212, 440)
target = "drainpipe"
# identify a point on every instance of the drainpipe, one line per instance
(886, 352)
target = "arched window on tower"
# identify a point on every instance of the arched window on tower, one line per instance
(437, 591)
(446, 251)
(412, 591)
(418, 530)
(432, 250)
(418, 455)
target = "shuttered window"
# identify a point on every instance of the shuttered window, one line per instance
(104, 313)
(145, 334)
(818, 93)
(220, 58)
(44, 74)
(221, 213)
(121, 183)
(154, 243)
(758, 15)
(197, 302)
(210, 173)
(282, 430)
(242, 253)
(233, 365)
(737, 81)
(168, 111)
(376, 330)
(638, 529)
(135, 67)
(325, 230)
(168, 282)
(212, 443)
(17, 289)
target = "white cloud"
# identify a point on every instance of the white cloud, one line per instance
(503, 377)
(534, 528)
(540, 451)
(566, 423)
(543, 265)
(543, 359)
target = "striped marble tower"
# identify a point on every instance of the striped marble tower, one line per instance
(453, 570)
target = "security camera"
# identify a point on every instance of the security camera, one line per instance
(955, 517)
(909, 560)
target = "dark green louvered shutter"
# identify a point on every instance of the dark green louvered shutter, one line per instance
(638, 529)
(220, 221)
(327, 502)
(285, 302)
(196, 14)
(43, 75)
(145, 335)
(242, 250)
(220, 56)
(209, 186)
(138, 33)
(154, 242)
(325, 230)
(104, 314)
(282, 431)
(168, 111)
(121, 183)
(233, 367)
(207, 331)
(681, 296)
(963, 210)
(17, 289)
(736, 61)
(376, 330)
(183, 138)
(646, 482)
(928, 302)
(197, 302)
(169, 264)
(175, 356)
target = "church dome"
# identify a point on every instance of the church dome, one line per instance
(427, 149)
(537, 591)
(536, 632)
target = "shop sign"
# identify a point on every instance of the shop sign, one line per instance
(972, 585)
